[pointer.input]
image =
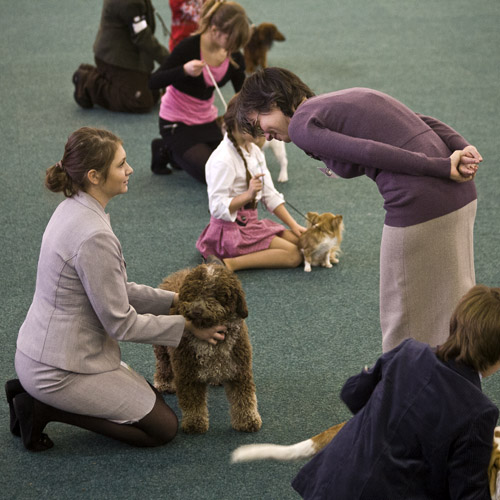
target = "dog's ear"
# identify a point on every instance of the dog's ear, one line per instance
(241, 303)
(266, 34)
(337, 222)
(233, 284)
(241, 307)
(312, 218)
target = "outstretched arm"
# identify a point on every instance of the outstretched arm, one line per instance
(284, 215)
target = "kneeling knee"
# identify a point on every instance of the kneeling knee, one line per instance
(166, 434)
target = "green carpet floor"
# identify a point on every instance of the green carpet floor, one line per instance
(309, 331)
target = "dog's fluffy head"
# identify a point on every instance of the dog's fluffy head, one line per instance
(326, 223)
(212, 295)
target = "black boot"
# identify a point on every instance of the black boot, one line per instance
(12, 389)
(33, 439)
(159, 158)
(80, 95)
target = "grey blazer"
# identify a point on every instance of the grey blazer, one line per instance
(83, 304)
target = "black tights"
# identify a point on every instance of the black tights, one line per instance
(157, 428)
(194, 159)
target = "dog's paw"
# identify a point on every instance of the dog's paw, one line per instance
(165, 386)
(283, 175)
(194, 424)
(247, 423)
(307, 267)
(327, 264)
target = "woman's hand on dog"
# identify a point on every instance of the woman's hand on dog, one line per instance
(210, 335)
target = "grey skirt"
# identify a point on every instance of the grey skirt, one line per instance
(424, 271)
(122, 395)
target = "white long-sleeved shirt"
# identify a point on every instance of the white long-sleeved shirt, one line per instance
(226, 178)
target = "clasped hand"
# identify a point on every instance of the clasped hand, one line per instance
(464, 164)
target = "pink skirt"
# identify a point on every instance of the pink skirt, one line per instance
(247, 234)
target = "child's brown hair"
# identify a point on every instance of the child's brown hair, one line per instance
(475, 329)
(229, 18)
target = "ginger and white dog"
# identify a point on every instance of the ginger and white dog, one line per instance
(304, 449)
(320, 244)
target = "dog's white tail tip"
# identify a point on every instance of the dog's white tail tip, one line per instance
(253, 452)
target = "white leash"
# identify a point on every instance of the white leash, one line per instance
(216, 86)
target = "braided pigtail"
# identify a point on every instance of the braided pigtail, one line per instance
(230, 126)
(240, 152)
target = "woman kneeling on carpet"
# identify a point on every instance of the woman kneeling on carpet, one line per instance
(68, 358)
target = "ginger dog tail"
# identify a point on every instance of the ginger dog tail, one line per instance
(304, 449)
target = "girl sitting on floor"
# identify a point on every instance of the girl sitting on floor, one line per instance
(237, 179)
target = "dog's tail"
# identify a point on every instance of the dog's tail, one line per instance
(304, 449)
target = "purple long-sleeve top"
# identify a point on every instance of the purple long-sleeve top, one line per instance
(361, 131)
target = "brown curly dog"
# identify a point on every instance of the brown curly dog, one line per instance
(209, 295)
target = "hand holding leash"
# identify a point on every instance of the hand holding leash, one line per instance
(255, 185)
(194, 67)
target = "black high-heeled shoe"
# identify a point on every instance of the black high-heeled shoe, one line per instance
(24, 406)
(12, 389)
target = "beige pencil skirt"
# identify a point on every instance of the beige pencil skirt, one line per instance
(424, 270)
(122, 395)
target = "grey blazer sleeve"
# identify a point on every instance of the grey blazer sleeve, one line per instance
(101, 269)
(147, 300)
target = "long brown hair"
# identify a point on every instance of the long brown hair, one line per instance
(229, 18)
(475, 329)
(86, 149)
